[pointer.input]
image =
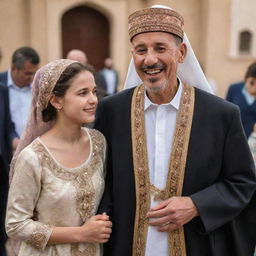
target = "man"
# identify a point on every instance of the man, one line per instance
(77, 55)
(243, 94)
(180, 176)
(7, 134)
(25, 62)
(107, 78)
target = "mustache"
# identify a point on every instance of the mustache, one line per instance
(155, 66)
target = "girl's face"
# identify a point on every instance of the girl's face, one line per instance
(80, 101)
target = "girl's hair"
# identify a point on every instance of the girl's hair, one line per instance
(62, 85)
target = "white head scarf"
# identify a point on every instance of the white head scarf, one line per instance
(189, 71)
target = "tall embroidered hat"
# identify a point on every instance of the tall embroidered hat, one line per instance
(155, 20)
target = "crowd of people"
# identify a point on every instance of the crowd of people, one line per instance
(167, 169)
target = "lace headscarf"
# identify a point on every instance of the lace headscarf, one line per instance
(44, 82)
(189, 71)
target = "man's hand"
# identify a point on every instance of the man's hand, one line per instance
(172, 213)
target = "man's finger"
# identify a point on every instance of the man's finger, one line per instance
(168, 227)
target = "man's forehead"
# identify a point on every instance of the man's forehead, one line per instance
(152, 38)
(29, 65)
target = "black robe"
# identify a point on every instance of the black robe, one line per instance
(219, 177)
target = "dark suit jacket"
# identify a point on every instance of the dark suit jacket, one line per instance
(248, 112)
(3, 77)
(7, 133)
(102, 84)
(219, 177)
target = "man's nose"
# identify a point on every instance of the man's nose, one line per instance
(151, 58)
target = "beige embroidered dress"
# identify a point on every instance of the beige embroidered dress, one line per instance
(60, 196)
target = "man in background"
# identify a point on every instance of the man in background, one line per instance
(25, 62)
(243, 94)
(77, 55)
(107, 78)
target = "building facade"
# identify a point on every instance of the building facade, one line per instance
(222, 32)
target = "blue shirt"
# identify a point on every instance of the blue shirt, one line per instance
(20, 100)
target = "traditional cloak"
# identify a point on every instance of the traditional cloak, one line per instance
(210, 162)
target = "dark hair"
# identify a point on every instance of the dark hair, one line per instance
(62, 86)
(23, 54)
(251, 71)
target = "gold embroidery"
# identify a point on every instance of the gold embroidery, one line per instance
(39, 237)
(85, 193)
(90, 250)
(140, 163)
(175, 176)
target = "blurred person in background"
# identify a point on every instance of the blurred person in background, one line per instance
(25, 62)
(78, 55)
(107, 78)
(243, 94)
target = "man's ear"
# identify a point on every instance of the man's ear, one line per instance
(183, 52)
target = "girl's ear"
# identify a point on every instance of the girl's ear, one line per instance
(55, 101)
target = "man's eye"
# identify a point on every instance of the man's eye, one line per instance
(161, 49)
(141, 50)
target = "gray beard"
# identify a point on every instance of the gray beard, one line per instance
(156, 89)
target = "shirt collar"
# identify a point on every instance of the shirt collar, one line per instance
(249, 98)
(9, 79)
(175, 102)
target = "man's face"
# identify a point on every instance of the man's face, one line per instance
(250, 84)
(156, 57)
(23, 77)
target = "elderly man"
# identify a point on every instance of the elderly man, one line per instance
(180, 177)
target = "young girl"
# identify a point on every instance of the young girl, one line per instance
(58, 175)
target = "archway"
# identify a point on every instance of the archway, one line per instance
(86, 29)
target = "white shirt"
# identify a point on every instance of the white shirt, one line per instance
(160, 124)
(20, 100)
(110, 77)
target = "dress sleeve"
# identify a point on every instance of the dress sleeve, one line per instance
(224, 200)
(23, 195)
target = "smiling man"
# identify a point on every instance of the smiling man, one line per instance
(180, 177)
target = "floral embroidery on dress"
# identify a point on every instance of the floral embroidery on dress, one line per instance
(90, 250)
(81, 176)
(39, 237)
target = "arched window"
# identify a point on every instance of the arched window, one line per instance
(245, 42)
